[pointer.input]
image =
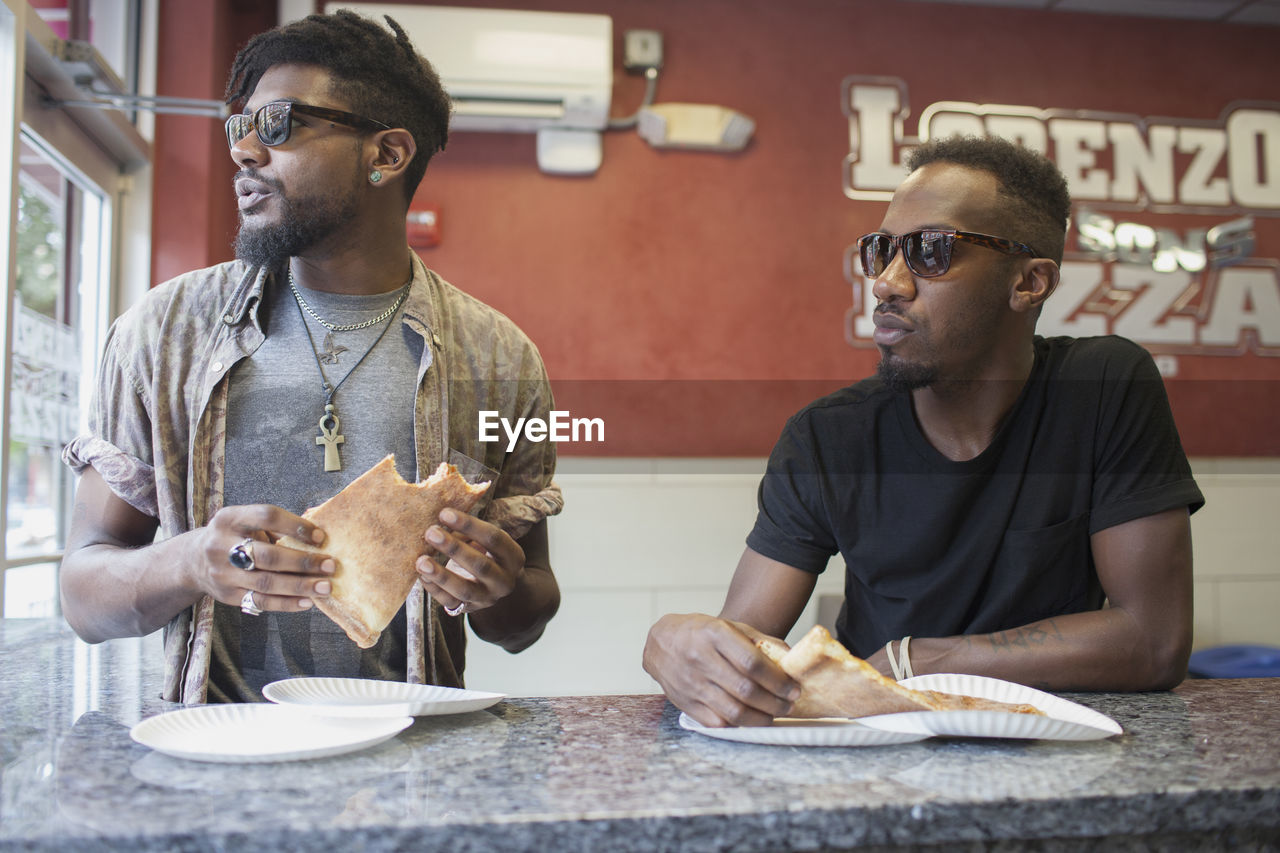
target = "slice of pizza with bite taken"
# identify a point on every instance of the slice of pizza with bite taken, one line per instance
(835, 683)
(376, 530)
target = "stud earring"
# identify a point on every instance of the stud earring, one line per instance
(375, 176)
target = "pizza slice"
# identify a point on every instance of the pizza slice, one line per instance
(835, 683)
(376, 528)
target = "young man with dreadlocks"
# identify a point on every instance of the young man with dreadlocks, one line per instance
(233, 398)
(1018, 504)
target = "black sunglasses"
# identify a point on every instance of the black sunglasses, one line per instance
(274, 122)
(928, 251)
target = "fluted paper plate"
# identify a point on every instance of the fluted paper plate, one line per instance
(367, 697)
(787, 731)
(258, 732)
(1063, 720)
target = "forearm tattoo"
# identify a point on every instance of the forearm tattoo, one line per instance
(1032, 636)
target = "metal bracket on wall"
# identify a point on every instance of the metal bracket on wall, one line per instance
(100, 100)
(102, 89)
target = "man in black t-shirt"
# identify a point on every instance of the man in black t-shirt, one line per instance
(1005, 504)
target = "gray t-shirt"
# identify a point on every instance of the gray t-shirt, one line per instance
(274, 407)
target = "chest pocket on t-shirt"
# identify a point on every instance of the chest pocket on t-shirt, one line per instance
(1040, 572)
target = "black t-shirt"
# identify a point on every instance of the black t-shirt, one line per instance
(937, 548)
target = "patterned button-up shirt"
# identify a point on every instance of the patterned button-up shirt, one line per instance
(157, 429)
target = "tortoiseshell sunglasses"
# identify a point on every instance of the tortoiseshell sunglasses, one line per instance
(274, 122)
(927, 251)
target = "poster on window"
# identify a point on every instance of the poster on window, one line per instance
(46, 379)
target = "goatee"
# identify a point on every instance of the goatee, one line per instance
(902, 376)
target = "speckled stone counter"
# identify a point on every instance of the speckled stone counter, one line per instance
(1198, 768)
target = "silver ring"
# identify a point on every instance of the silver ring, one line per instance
(457, 611)
(248, 606)
(241, 556)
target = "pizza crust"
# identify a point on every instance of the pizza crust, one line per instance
(835, 683)
(376, 530)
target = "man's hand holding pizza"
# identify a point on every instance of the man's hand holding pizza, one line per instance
(712, 669)
(242, 564)
(477, 563)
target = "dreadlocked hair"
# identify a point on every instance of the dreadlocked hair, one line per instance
(379, 73)
(1039, 203)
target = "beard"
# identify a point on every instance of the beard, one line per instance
(302, 224)
(900, 375)
(897, 373)
(965, 332)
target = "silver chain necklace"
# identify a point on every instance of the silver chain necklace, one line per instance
(404, 293)
(329, 437)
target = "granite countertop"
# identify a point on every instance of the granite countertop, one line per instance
(1198, 767)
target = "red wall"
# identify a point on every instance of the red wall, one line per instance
(193, 205)
(694, 300)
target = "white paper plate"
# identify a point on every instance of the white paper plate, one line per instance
(367, 697)
(258, 732)
(787, 731)
(374, 760)
(1063, 720)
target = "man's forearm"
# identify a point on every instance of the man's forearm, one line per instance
(1098, 650)
(517, 621)
(110, 591)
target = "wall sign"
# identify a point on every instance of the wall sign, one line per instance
(1175, 285)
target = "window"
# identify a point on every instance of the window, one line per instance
(69, 197)
(61, 236)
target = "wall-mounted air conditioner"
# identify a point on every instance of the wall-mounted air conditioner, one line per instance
(546, 72)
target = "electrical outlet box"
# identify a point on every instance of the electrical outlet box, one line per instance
(642, 50)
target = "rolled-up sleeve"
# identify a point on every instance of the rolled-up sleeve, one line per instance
(118, 443)
(525, 493)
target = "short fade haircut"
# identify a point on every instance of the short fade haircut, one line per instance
(380, 73)
(1039, 206)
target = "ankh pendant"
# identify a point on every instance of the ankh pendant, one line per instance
(330, 438)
